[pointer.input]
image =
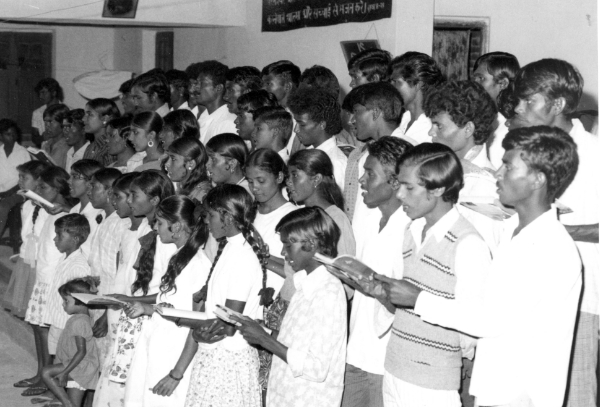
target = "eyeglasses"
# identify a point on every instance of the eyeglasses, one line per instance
(67, 126)
(76, 175)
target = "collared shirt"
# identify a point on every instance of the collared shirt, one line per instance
(9, 176)
(74, 156)
(104, 248)
(184, 106)
(218, 122)
(478, 156)
(98, 150)
(135, 161)
(338, 159)
(163, 110)
(314, 330)
(284, 154)
(37, 119)
(417, 133)
(379, 250)
(494, 144)
(526, 312)
(90, 214)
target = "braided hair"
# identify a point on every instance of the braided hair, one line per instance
(238, 203)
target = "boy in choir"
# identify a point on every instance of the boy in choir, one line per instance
(240, 80)
(150, 93)
(178, 85)
(495, 71)
(378, 249)
(370, 65)
(525, 315)
(443, 254)
(317, 116)
(414, 74)
(207, 84)
(548, 91)
(272, 130)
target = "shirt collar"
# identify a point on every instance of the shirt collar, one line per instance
(310, 283)
(438, 230)
(327, 144)
(539, 225)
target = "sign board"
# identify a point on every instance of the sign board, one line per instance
(285, 15)
(352, 48)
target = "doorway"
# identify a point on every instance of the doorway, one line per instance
(25, 59)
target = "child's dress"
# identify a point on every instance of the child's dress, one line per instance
(225, 374)
(22, 280)
(161, 342)
(85, 374)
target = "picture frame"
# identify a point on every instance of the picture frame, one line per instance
(351, 48)
(119, 8)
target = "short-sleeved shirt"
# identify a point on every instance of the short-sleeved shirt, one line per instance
(86, 372)
(218, 122)
(9, 176)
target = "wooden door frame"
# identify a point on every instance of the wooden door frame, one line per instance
(482, 23)
(21, 29)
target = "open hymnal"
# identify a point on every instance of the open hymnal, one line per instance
(179, 313)
(35, 197)
(40, 155)
(93, 299)
(225, 314)
(348, 266)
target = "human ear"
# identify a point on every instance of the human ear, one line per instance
(190, 165)
(317, 179)
(176, 227)
(376, 113)
(375, 78)
(558, 105)
(469, 129)
(540, 180)
(220, 88)
(280, 177)
(503, 83)
(437, 192)
(154, 201)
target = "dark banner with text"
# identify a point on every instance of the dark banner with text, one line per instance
(285, 15)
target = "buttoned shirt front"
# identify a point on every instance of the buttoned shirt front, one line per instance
(218, 122)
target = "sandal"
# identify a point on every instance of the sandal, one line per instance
(34, 391)
(25, 383)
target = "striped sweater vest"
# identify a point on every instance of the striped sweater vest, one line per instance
(420, 353)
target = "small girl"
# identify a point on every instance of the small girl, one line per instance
(77, 367)
(186, 164)
(145, 128)
(162, 339)
(178, 124)
(225, 367)
(119, 146)
(227, 154)
(310, 349)
(98, 112)
(19, 289)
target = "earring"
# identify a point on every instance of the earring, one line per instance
(150, 143)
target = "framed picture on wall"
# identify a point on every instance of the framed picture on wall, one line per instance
(352, 48)
(119, 8)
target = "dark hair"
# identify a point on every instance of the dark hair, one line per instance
(269, 161)
(553, 78)
(549, 150)
(122, 125)
(7, 124)
(149, 121)
(52, 85)
(178, 208)
(215, 70)
(320, 105)
(285, 70)
(76, 225)
(105, 107)
(371, 62)
(178, 79)
(277, 119)
(154, 184)
(416, 67)
(248, 77)
(58, 179)
(153, 83)
(86, 285)
(507, 101)
(75, 116)
(182, 123)
(228, 145)
(437, 167)
(191, 149)
(388, 150)
(377, 95)
(34, 168)
(125, 87)
(86, 167)
(57, 112)
(314, 162)
(256, 99)
(314, 225)
(464, 101)
(501, 65)
(319, 77)
(107, 176)
(124, 181)
(239, 204)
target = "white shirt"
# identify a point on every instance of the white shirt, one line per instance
(135, 161)
(74, 156)
(494, 144)
(526, 313)
(48, 255)
(583, 197)
(129, 248)
(9, 176)
(284, 154)
(338, 159)
(362, 213)
(478, 156)
(417, 133)
(163, 110)
(184, 106)
(37, 119)
(380, 251)
(220, 121)
(90, 214)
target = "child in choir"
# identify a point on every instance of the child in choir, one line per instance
(246, 105)
(272, 130)
(75, 137)
(225, 367)
(178, 124)
(54, 187)
(119, 146)
(19, 289)
(186, 165)
(98, 112)
(145, 128)
(153, 380)
(317, 116)
(227, 155)
(310, 347)
(370, 65)
(72, 231)
(77, 367)
(238, 81)
(145, 259)
(414, 74)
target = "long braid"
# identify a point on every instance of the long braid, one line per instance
(36, 212)
(202, 295)
(261, 250)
